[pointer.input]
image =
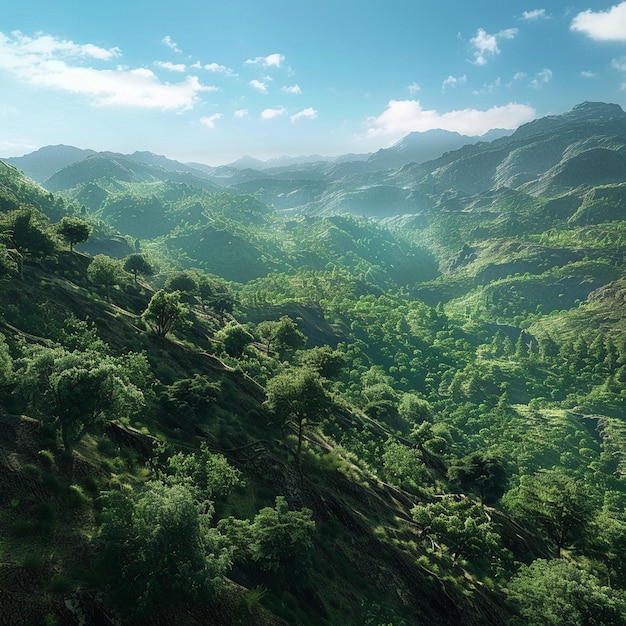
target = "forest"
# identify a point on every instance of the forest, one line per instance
(217, 411)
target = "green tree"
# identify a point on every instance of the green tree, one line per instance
(214, 294)
(28, 232)
(165, 312)
(74, 230)
(208, 475)
(296, 397)
(323, 359)
(77, 391)
(414, 410)
(104, 271)
(6, 363)
(403, 465)
(8, 265)
(461, 526)
(560, 507)
(136, 264)
(553, 593)
(235, 338)
(278, 540)
(283, 335)
(185, 282)
(480, 473)
(156, 549)
(189, 397)
(282, 538)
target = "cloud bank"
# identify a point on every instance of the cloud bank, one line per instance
(404, 116)
(46, 61)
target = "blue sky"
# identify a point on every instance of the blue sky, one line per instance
(213, 81)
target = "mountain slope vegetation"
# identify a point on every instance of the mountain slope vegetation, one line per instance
(217, 410)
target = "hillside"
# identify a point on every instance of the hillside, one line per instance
(329, 418)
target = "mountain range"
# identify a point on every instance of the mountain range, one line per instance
(463, 309)
(550, 156)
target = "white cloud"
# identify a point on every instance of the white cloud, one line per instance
(272, 60)
(294, 89)
(167, 40)
(45, 61)
(586, 74)
(519, 75)
(241, 113)
(404, 116)
(535, 14)
(219, 69)
(309, 113)
(209, 121)
(543, 77)
(23, 48)
(258, 85)
(619, 64)
(453, 81)
(486, 45)
(413, 87)
(270, 114)
(604, 25)
(489, 87)
(172, 67)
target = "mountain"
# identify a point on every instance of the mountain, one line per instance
(418, 147)
(42, 163)
(415, 417)
(114, 167)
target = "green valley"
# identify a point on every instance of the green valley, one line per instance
(361, 392)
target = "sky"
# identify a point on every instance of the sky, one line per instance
(211, 82)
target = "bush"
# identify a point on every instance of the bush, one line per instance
(76, 497)
(156, 549)
(47, 460)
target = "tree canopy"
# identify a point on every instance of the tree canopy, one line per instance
(74, 230)
(156, 549)
(137, 265)
(165, 312)
(78, 391)
(296, 397)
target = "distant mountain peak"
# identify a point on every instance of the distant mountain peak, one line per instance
(606, 108)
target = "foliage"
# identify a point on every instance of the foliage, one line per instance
(74, 230)
(8, 266)
(190, 397)
(403, 465)
(480, 473)
(560, 507)
(462, 527)
(105, 271)
(282, 538)
(296, 397)
(165, 312)
(235, 338)
(283, 336)
(207, 475)
(156, 549)
(184, 282)
(278, 539)
(6, 362)
(137, 265)
(327, 362)
(28, 232)
(551, 593)
(77, 391)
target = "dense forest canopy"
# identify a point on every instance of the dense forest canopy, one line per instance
(327, 409)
